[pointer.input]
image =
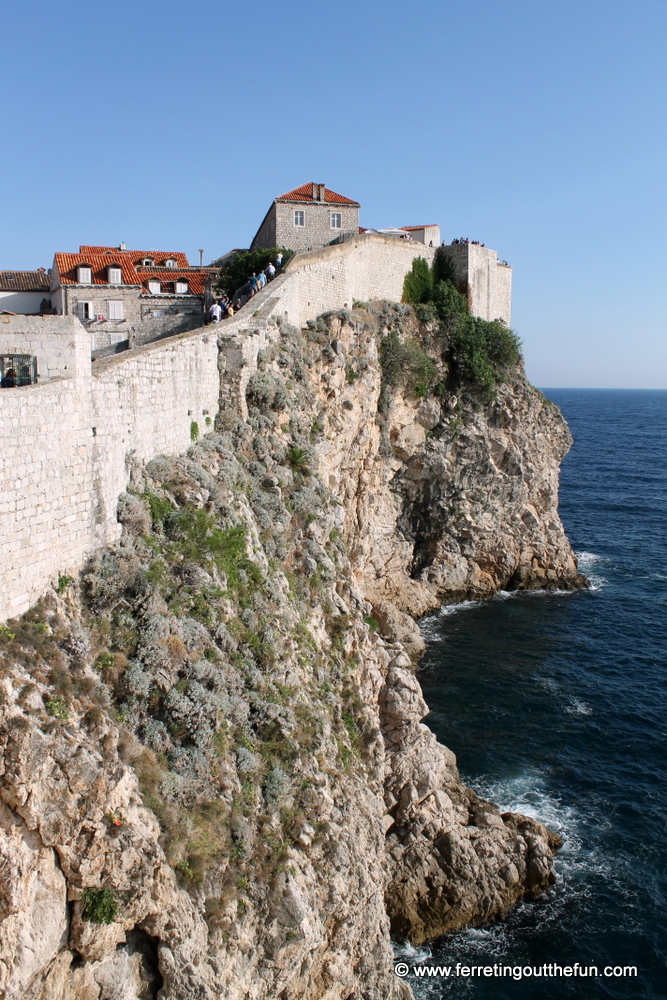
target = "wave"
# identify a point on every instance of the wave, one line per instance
(589, 563)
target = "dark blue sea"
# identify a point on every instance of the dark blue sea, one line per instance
(555, 705)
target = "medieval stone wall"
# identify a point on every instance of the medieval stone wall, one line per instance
(68, 446)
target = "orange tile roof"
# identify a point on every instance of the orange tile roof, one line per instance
(307, 191)
(66, 265)
(158, 256)
(196, 279)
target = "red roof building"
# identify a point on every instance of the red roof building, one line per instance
(310, 216)
(130, 295)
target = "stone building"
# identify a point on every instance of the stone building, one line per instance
(129, 296)
(487, 281)
(25, 292)
(429, 235)
(306, 218)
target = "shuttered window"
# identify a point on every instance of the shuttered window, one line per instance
(115, 310)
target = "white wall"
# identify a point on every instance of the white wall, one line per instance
(22, 302)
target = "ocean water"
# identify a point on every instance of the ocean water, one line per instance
(555, 705)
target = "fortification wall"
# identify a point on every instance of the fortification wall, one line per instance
(68, 445)
(489, 282)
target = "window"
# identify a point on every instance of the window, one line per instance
(170, 262)
(115, 310)
(154, 287)
(147, 262)
(182, 288)
(115, 276)
(299, 219)
(336, 220)
(85, 311)
(84, 275)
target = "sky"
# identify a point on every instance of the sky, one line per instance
(534, 126)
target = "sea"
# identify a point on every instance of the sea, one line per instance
(555, 705)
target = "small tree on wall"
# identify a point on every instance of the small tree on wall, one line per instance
(235, 272)
(418, 283)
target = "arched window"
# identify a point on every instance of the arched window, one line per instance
(114, 275)
(84, 274)
(182, 288)
(154, 287)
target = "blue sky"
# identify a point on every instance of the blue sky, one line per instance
(535, 127)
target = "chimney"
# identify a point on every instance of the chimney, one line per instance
(122, 247)
(318, 192)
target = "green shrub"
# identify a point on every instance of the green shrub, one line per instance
(403, 363)
(100, 906)
(194, 430)
(235, 272)
(63, 583)
(418, 282)
(298, 460)
(57, 707)
(160, 508)
(6, 632)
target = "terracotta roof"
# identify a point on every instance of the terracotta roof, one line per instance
(196, 279)
(158, 256)
(307, 193)
(24, 281)
(66, 265)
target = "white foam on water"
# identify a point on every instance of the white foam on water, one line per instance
(589, 564)
(577, 707)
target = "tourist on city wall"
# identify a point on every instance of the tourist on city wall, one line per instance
(215, 312)
(254, 283)
(270, 272)
(9, 381)
(279, 261)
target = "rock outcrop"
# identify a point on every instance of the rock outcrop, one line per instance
(214, 779)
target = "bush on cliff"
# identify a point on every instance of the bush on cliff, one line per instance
(478, 353)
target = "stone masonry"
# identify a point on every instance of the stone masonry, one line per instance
(69, 444)
(323, 215)
(487, 281)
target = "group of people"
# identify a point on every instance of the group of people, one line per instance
(463, 239)
(224, 306)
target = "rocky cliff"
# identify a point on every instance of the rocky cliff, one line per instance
(214, 780)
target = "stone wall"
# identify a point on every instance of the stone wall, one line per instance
(51, 339)
(145, 316)
(278, 228)
(68, 446)
(489, 283)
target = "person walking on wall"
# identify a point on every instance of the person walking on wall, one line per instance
(215, 312)
(270, 272)
(9, 381)
(252, 281)
(279, 261)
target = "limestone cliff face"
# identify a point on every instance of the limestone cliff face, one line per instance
(213, 740)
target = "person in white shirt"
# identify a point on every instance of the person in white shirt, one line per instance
(215, 312)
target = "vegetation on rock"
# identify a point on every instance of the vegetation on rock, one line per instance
(479, 354)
